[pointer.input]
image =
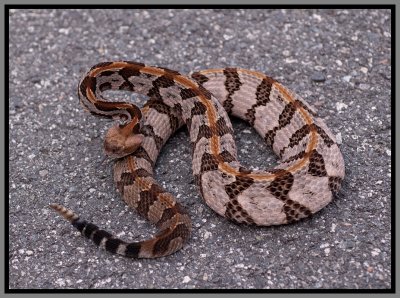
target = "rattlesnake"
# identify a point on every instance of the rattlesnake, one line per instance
(310, 171)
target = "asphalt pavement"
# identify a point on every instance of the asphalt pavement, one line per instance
(338, 60)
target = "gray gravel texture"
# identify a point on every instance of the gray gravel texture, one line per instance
(338, 60)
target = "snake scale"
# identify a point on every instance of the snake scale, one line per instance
(310, 170)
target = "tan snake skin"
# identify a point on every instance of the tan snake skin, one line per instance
(310, 171)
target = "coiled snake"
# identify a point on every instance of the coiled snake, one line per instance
(310, 171)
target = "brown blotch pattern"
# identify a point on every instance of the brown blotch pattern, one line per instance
(128, 72)
(204, 132)
(161, 82)
(237, 214)
(187, 93)
(284, 119)
(106, 73)
(105, 86)
(316, 165)
(228, 105)
(147, 198)
(270, 136)
(204, 92)
(162, 108)
(262, 96)
(199, 78)
(198, 109)
(299, 155)
(161, 245)
(142, 153)
(226, 156)
(238, 186)
(327, 140)
(251, 115)
(141, 173)
(174, 122)
(169, 213)
(295, 211)
(280, 188)
(264, 90)
(297, 137)
(302, 105)
(148, 131)
(232, 84)
(286, 116)
(222, 128)
(174, 116)
(334, 183)
(126, 178)
(208, 162)
(281, 185)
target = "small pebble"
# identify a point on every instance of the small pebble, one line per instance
(375, 252)
(228, 37)
(340, 106)
(207, 235)
(317, 17)
(318, 77)
(346, 78)
(324, 245)
(364, 86)
(319, 67)
(43, 173)
(289, 61)
(349, 244)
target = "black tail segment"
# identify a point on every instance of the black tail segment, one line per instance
(100, 237)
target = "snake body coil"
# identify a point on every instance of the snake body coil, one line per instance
(310, 171)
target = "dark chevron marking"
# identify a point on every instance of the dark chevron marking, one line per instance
(199, 78)
(232, 84)
(262, 97)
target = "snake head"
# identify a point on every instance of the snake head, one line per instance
(121, 141)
